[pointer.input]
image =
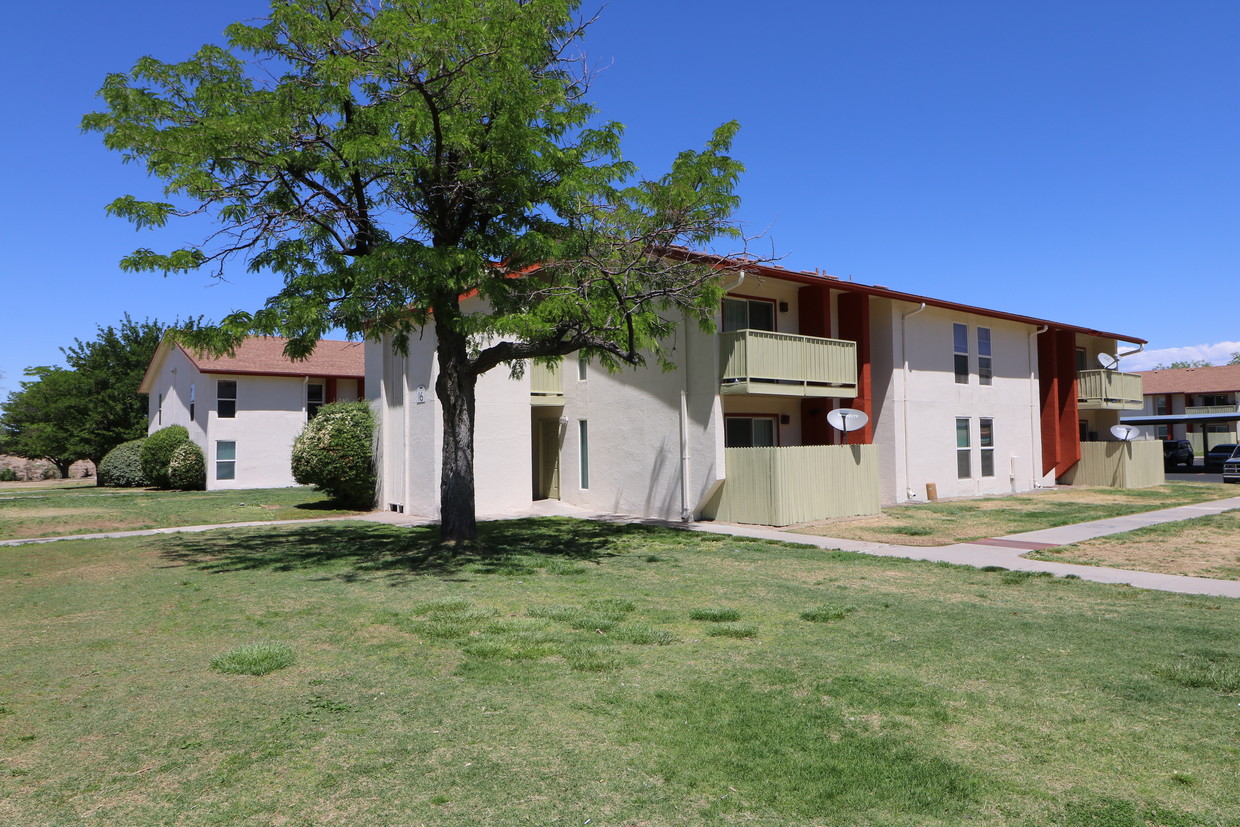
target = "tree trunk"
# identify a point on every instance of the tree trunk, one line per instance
(455, 390)
(62, 466)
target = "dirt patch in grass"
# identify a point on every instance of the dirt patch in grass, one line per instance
(962, 520)
(1203, 547)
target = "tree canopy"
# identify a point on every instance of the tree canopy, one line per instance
(87, 409)
(387, 159)
(41, 419)
(112, 366)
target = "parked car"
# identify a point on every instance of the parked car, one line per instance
(1231, 467)
(1178, 452)
(1219, 454)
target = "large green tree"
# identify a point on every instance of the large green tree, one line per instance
(112, 366)
(40, 420)
(389, 158)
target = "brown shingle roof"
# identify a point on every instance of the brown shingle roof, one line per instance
(265, 355)
(1218, 379)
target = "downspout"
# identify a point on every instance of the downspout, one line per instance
(908, 488)
(686, 510)
(1035, 417)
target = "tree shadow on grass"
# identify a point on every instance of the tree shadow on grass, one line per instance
(354, 550)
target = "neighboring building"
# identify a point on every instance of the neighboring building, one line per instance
(1199, 404)
(245, 410)
(962, 400)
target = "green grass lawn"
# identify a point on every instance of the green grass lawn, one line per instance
(958, 521)
(572, 673)
(77, 509)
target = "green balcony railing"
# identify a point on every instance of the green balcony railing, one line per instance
(781, 364)
(546, 385)
(1108, 390)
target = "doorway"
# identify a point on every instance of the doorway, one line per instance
(546, 459)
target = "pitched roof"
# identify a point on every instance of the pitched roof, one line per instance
(264, 356)
(1217, 379)
(834, 282)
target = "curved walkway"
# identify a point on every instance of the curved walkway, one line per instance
(995, 551)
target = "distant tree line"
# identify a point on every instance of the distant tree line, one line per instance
(83, 410)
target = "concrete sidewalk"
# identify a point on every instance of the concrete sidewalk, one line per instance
(996, 551)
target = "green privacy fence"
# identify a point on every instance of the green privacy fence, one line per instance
(1118, 464)
(781, 486)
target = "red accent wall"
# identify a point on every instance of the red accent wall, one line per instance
(329, 389)
(361, 388)
(1061, 441)
(854, 321)
(814, 311)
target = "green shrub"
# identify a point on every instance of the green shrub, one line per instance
(8, 475)
(157, 453)
(334, 454)
(187, 469)
(122, 466)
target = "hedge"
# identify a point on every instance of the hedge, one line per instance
(122, 466)
(157, 453)
(187, 469)
(334, 454)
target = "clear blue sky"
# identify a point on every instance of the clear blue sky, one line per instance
(1078, 161)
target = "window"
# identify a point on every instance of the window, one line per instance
(749, 432)
(159, 411)
(984, 373)
(748, 314)
(964, 464)
(1214, 399)
(1160, 405)
(1080, 359)
(960, 345)
(584, 433)
(1164, 432)
(314, 399)
(986, 439)
(191, 403)
(225, 460)
(581, 368)
(226, 399)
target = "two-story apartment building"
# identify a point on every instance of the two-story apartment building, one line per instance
(1201, 404)
(246, 409)
(961, 401)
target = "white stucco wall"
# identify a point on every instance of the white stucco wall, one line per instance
(270, 413)
(635, 432)
(402, 393)
(916, 424)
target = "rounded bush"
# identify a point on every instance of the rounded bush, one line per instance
(187, 469)
(334, 454)
(157, 453)
(122, 466)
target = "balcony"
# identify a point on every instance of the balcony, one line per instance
(1211, 409)
(780, 364)
(1108, 390)
(546, 385)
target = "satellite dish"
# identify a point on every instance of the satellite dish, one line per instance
(847, 419)
(1108, 361)
(1125, 433)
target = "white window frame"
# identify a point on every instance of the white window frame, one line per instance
(583, 449)
(221, 399)
(985, 369)
(964, 452)
(960, 352)
(986, 445)
(229, 463)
